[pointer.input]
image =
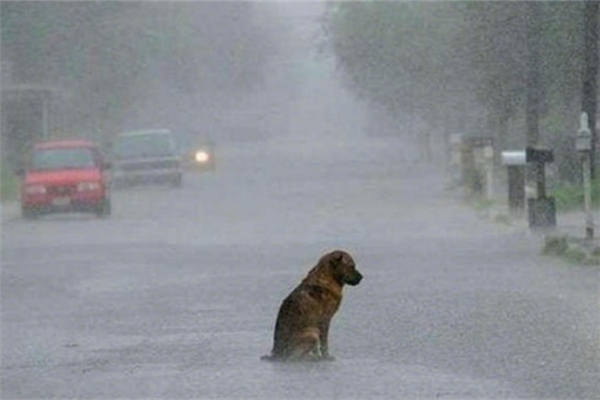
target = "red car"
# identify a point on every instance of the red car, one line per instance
(63, 176)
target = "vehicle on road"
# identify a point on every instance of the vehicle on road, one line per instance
(201, 158)
(146, 157)
(64, 176)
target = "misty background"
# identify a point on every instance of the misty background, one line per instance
(230, 72)
(320, 113)
(306, 75)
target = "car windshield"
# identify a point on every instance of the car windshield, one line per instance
(62, 158)
(149, 145)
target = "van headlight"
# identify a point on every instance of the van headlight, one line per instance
(202, 157)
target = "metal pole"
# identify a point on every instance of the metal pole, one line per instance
(589, 96)
(532, 101)
(587, 196)
(489, 167)
(44, 118)
(583, 144)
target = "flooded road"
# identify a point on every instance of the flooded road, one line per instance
(175, 295)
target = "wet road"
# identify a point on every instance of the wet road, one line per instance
(176, 295)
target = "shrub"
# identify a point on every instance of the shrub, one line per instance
(569, 196)
(8, 184)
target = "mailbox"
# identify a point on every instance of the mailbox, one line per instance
(538, 155)
(541, 210)
(513, 157)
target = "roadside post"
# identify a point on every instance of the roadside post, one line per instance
(477, 159)
(515, 165)
(488, 155)
(583, 144)
(454, 159)
(542, 209)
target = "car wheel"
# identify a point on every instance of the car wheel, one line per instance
(104, 209)
(29, 212)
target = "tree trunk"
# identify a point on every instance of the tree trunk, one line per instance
(533, 81)
(590, 72)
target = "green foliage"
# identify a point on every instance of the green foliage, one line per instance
(397, 53)
(503, 219)
(474, 181)
(555, 245)
(9, 184)
(109, 55)
(425, 57)
(481, 203)
(575, 255)
(572, 250)
(560, 127)
(570, 197)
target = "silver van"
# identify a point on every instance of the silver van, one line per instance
(146, 157)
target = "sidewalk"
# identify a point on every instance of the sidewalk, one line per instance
(571, 223)
(567, 239)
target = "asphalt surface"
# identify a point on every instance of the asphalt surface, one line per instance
(175, 295)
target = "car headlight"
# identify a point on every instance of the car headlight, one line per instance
(35, 189)
(88, 186)
(202, 156)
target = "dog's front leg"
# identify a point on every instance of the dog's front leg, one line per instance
(323, 336)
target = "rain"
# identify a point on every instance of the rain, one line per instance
(376, 128)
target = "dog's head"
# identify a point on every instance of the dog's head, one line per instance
(343, 268)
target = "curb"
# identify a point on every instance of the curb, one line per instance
(572, 249)
(566, 240)
(571, 222)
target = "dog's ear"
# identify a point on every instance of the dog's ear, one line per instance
(337, 255)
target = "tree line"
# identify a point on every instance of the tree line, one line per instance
(465, 66)
(110, 56)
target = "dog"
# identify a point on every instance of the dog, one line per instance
(302, 326)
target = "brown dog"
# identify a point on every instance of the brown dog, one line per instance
(303, 321)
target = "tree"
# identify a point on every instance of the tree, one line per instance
(589, 97)
(109, 54)
(397, 55)
(441, 58)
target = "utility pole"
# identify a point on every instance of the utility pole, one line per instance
(542, 209)
(589, 97)
(533, 72)
(583, 144)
